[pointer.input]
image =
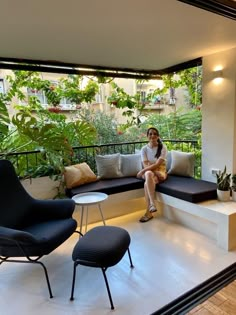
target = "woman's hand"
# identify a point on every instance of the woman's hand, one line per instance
(140, 174)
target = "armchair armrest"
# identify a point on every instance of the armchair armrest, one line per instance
(53, 209)
(16, 236)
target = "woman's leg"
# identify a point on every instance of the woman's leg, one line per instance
(151, 180)
(149, 188)
(146, 196)
(148, 215)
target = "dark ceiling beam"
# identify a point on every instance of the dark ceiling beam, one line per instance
(59, 64)
(96, 73)
(182, 66)
(68, 68)
(226, 8)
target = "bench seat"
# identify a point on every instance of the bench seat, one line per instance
(108, 186)
(185, 188)
(188, 188)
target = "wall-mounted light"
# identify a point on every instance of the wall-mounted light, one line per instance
(217, 76)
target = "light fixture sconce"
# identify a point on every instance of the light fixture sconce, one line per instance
(218, 74)
(217, 77)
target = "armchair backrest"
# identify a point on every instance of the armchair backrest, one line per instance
(15, 202)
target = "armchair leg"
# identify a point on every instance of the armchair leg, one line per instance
(108, 289)
(47, 278)
(2, 259)
(31, 261)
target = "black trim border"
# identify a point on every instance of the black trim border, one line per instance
(200, 293)
(71, 68)
(226, 8)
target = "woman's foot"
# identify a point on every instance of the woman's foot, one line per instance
(146, 217)
(152, 208)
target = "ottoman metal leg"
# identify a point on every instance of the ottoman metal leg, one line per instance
(107, 285)
(131, 263)
(73, 282)
(101, 247)
(106, 281)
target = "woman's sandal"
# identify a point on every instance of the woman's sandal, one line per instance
(145, 218)
(152, 208)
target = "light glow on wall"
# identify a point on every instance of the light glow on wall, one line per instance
(217, 75)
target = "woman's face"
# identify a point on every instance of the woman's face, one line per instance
(152, 135)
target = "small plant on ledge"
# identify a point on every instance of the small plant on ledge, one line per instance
(233, 187)
(223, 180)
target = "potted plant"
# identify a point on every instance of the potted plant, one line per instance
(233, 187)
(223, 185)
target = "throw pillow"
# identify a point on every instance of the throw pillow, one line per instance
(168, 161)
(108, 166)
(79, 174)
(182, 163)
(130, 164)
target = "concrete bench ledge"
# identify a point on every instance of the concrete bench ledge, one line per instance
(213, 218)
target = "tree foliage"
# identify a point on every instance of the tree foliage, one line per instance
(36, 128)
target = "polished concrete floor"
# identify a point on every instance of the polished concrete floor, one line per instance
(169, 260)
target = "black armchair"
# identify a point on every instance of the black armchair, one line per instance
(29, 227)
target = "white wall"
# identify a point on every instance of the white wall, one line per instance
(41, 188)
(219, 114)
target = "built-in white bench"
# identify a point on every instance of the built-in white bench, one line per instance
(196, 205)
(214, 218)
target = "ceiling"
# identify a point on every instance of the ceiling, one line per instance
(138, 35)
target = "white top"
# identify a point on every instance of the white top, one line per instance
(89, 198)
(148, 153)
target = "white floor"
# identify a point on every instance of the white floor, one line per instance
(169, 260)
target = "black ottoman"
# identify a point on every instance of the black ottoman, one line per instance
(101, 247)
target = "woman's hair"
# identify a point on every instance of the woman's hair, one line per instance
(160, 145)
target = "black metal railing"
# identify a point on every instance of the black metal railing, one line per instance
(27, 162)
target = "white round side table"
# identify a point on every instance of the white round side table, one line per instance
(87, 199)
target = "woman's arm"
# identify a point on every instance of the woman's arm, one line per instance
(150, 167)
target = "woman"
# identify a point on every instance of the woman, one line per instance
(153, 156)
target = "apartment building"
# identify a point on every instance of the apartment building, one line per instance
(162, 104)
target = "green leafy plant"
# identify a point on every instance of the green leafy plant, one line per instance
(233, 182)
(71, 88)
(223, 180)
(35, 128)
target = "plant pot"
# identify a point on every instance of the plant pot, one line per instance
(234, 195)
(54, 110)
(223, 195)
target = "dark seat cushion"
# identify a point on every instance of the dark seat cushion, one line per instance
(102, 246)
(108, 186)
(188, 188)
(185, 188)
(45, 237)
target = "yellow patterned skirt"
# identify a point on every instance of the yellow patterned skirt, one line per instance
(160, 172)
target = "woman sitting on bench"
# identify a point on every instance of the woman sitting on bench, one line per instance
(153, 156)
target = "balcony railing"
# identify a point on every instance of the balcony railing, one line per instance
(36, 163)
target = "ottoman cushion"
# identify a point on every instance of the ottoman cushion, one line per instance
(102, 246)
